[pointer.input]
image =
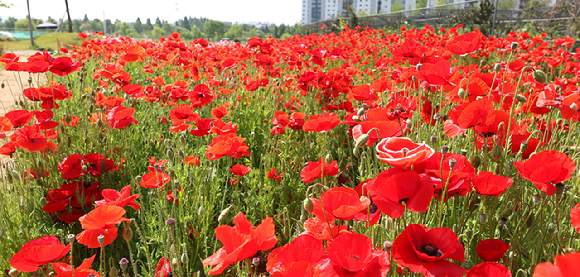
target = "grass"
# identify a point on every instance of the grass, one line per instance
(44, 42)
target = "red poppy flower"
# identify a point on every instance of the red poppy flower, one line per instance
(43, 119)
(305, 248)
(19, 117)
(575, 217)
(342, 203)
(465, 44)
(318, 169)
(297, 121)
(351, 254)
(9, 57)
(425, 251)
(203, 126)
(218, 113)
(321, 123)
(227, 145)
(272, 175)
(118, 198)
(183, 113)
(154, 179)
(435, 74)
(240, 242)
(457, 177)
(487, 183)
(63, 66)
(134, 53)
(72, 198)
(37, 253)
(7, 149)
(163, 268)
(100, 221)
(192, 160)
(564, 266)
(491, 250)
(394, 187)
(302, 268)
(386, 129)
(97, 164)
(84, 270)
(200, 96)
(322, 229)
(121, 117)
(547, 169)
(489, 269)
(72, 167)
(29, 138)
(240, 170)
(402, 152)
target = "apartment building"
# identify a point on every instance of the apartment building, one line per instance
(316, 10)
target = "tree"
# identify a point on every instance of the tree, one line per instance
(158, 31)
(85, 19)
(196, 33)
(236, 31)
(158, 22)
(214, 29)
(21, 24)
(148, 26)
(138, 26)
(168, 28)
(70, 28)
(185, 23)
(50, 20)
(10, 22)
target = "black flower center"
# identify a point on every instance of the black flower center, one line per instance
(431, 250)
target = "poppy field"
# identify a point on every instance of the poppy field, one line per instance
(428, 152)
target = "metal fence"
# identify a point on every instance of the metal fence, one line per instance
(20, 34)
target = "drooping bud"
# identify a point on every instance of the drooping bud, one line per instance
(224, 214)
(360, 112)
(574, 106)
(462, 93)
(201, 211)
(113, 272)
(13, 271)
(522, 99)
(476, 161)
(184, 257)
(496, 152)
(128, 233)
(418, 67)
(540, 76)
(308, 205)
(356, 152)
(174, 262)
(356, 118)
(530, 220)
(361, 141)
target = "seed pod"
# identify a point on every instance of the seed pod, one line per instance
(540, 76)
(497, 68)
(514, 46)
(308, 205)
(71, 238)
(433, 139)
(101, 239)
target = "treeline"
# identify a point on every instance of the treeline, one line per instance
(188, 28)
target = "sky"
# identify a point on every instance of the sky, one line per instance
(272, 11)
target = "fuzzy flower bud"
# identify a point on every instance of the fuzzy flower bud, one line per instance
(308, 205)
(540, 76)
(361, 141)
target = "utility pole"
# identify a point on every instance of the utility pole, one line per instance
(69, 20)
(104, 24)
(30, 23)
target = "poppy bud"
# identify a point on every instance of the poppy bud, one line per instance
(356, 118)
(201, 211)
(328, 159)
(462, 93)
(85, 167)
(123, 263)
(540, 76)
(360, 112)
(113, 272)
(418, 67)
(522, 99)
(29, 80)
(496, 152)
(224, 214)
(409, 123)
(497, 68)
(507, 212)
(174, 262)
(128, 233)
(356, 152)
(476, 161)
(361, 141)
(573, 106)
(473, 203)
(9, 177)
(13, 271)
(170, 154)
(308, 205)
(467, 264)
(68, 118)
(71, 238)
(184, 258)
(503, 221)
(101, 239)
(43, 201)
(482, 218)
(530, 220)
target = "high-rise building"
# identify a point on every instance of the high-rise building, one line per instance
(316, 10)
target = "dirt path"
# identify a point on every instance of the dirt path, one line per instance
(13, 83)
